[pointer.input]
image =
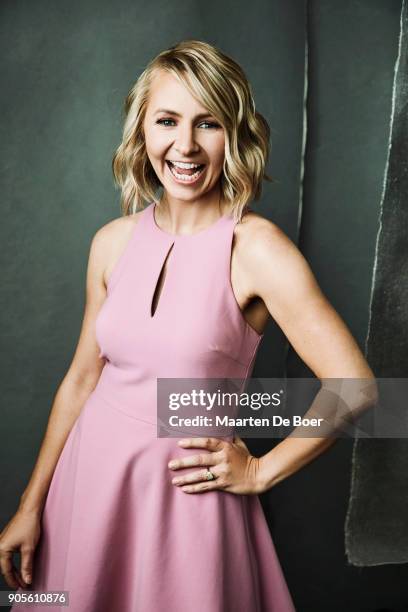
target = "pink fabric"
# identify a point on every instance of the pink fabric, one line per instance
(116, 533)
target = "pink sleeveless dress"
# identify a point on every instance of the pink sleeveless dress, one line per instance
(116, 533)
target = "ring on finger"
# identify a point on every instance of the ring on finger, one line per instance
(209, 475)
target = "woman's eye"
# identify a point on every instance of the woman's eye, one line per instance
(162, 121)
(212, 125)
(209, 123)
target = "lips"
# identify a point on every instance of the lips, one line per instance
(184, 170)
(183, 175)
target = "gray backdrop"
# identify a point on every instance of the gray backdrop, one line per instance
(376, 526)
(66, 68)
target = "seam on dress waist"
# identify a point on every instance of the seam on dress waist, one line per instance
(100, 396)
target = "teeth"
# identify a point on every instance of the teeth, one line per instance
(184, 165)
(185, 177)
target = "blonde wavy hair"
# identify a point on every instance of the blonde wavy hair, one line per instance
(221, 86)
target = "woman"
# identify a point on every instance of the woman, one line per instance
(180, 288)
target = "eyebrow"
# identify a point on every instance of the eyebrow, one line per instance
(171, 112)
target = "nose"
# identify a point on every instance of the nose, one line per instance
(185, 143)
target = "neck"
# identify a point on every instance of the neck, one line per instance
(191, 217)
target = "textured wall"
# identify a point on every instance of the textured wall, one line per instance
(376, 528)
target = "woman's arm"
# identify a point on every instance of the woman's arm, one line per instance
(278, 272)
(75, 387)
(23, 530)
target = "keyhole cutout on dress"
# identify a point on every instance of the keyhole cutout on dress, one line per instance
(159, 284)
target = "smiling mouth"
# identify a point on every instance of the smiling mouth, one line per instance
(187, 175)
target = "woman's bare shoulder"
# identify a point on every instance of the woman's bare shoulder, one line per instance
(117, 230)
(266, 254)
(258, 231)
(110, 241)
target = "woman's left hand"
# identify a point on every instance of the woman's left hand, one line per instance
(234, 468)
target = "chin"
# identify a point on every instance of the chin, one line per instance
(180, 194)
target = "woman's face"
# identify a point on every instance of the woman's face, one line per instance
(178, 129)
